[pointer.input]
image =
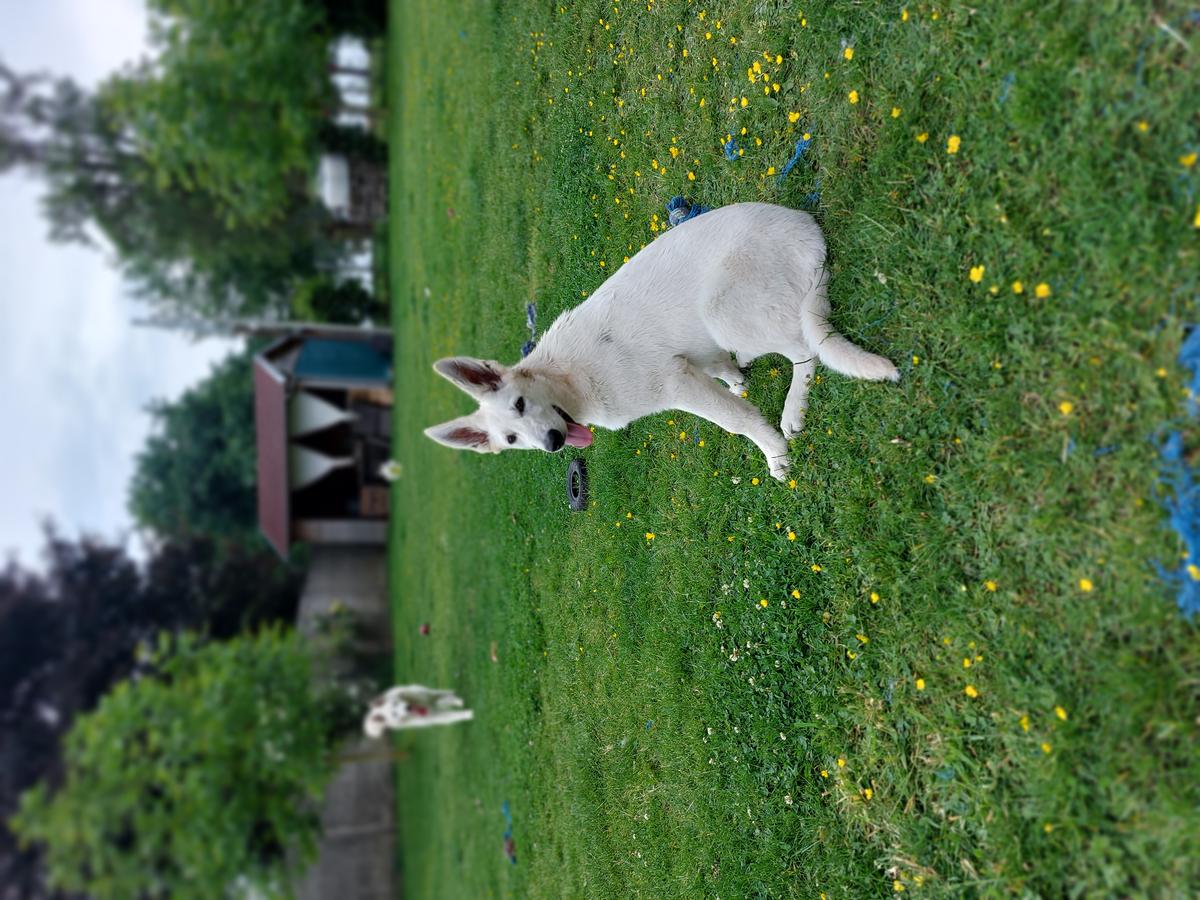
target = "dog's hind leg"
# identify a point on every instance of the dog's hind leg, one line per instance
(796, 404)
(694, 392)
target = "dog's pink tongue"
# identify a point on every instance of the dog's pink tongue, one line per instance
(578, 435)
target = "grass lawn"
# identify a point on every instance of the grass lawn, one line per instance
(940, 661)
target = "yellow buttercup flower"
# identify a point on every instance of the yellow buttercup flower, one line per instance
(922, 137)
(848, 53)
(970, 691)
(1060, 712)
(1024, 722)
(1018, 288)
(1042, 291)
(977, 273)
(920, 684)
(793, 117)
(895, 112)
(1188, 160)
(1085, 585)
(1047, 746)
(649, 535)
(991, 586)
(953, 143)
(853, 96)
(1065, 407)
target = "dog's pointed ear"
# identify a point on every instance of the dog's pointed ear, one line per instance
(478, 377)
(463, 433)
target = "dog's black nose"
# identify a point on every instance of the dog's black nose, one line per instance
(555, 440)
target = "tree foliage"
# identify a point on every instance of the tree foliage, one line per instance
(197, 473)
(194, 779)
(179, 246)
(232, 102)
(69, 631)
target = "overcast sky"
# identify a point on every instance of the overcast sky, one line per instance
(75, 375)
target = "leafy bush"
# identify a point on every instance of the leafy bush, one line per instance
(192, 779)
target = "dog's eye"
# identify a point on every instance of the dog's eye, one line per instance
(520, 406)
(512, 438)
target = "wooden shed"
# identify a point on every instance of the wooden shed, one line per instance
(323, 418)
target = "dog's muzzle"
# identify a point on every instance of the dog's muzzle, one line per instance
(555, 440)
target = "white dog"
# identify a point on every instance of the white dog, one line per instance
(747, 279)
(414, 706)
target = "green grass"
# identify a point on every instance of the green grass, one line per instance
(639, 757)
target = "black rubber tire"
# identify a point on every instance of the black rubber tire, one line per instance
(577, 484)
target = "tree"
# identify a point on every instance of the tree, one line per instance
(177, 246)
(197, 473)
(194, 779)
(345, 302)
(69, 632)
(232, 103)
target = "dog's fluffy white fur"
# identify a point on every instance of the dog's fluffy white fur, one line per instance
(747, 280)
(413, 706)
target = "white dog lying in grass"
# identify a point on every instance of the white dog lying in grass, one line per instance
(747, 279)
(414, 706)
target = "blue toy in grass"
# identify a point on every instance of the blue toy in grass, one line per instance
(680, 209)
(1189, 356)
(802, 146)
(531, 324)
(1183, 506)
(1183, 509)
(510, 847)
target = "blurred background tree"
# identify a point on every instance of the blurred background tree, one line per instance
(232, 101)
(197, 166)
(197, 473)
(69, 632)
(194, 779)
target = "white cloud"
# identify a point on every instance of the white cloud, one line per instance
(85, 39)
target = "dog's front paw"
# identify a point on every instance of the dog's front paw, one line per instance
(779, 466)
(792, 423)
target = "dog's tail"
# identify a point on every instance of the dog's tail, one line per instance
(836, 351)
